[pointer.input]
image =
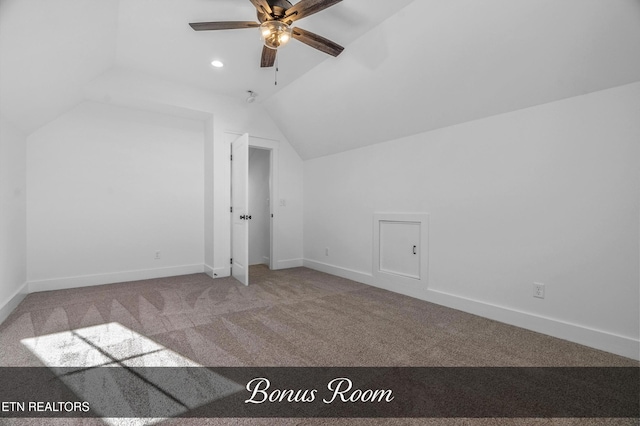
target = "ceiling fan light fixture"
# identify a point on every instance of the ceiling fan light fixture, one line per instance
(275, 34)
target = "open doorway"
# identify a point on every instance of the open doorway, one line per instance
(259, 206)
(254, 186)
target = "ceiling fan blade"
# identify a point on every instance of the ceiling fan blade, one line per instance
(305, 8)
(268, 57)
(262, 6)
(229, 25)
(317, 42)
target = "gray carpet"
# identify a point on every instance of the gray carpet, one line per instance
(295, 317)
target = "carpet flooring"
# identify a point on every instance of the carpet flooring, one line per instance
(295, 317)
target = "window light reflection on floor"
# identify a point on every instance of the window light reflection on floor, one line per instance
(80, 358)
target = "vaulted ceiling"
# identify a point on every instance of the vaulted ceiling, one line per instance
(409, 65)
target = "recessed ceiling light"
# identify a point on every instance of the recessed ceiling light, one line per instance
(217, 64)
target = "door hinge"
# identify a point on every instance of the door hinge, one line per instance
(231, 209)
(231, 261)
(231, 157)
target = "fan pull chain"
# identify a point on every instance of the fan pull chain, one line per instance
(276, 73)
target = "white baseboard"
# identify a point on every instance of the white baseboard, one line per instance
(289, 263)
(209, 270)
(609, 342)
(13, 302)
(350, 274)
(598, 339)
(111, 278)
(217, 272)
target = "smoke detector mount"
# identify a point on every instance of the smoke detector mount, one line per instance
(253, 96)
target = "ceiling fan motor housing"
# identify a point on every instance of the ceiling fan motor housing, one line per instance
(279, 8)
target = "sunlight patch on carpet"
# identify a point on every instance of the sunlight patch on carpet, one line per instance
(82, 359)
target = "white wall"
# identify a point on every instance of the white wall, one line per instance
(233, 115)
(13, 237)
(251, 118)
(547, 194)
(209, 205)
(108, 187)
(259, 201)
(288, 225)
(128, 91)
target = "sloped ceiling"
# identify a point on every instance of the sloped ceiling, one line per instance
(48, 50)
(409, 65)
(154, 38)
(51, 50)
(438, 63)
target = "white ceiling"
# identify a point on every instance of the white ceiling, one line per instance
(438, 63)
(409, 65)
(51, 49)
(48, 51)
(153, 37)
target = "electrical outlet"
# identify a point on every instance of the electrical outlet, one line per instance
(157, 257)
(538, 290)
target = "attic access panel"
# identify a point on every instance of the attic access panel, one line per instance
(400, 254)
(399, 248)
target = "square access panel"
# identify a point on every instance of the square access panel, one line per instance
(400, 248)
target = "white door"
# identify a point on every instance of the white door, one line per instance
(240, 214)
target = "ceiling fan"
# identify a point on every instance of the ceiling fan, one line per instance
(276, 17)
